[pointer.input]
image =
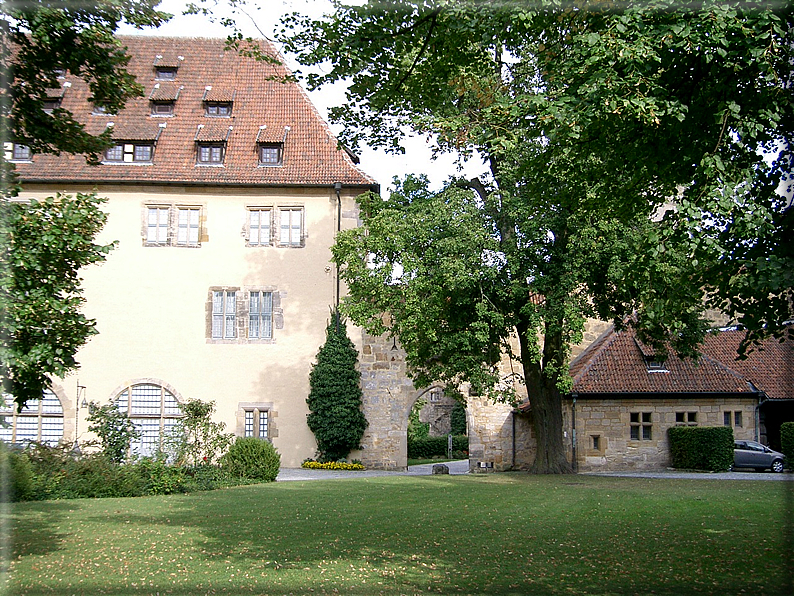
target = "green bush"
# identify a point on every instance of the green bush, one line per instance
(787, 443)
(437, 447)
(701, 447)
(253, 458)
(334, 401)
(16, 473)
(457, 419)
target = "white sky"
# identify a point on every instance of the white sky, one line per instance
(264, 15)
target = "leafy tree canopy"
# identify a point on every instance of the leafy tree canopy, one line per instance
(635, 152)
(41, 39)
(43, 245)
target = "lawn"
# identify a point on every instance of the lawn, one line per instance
(494, 534)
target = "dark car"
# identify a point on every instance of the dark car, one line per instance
(750, 454)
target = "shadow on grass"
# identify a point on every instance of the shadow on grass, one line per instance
(505, 534)
(36, 530)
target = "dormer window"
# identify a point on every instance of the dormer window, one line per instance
(59, 73)
(271, 154)
(162, 108)
(165, 73)
(20, 152)
(50, 104)
(211, 153)
(655, 365)
(218, 109)
(138, 152)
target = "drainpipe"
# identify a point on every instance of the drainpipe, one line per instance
(573, 433)
(338, 190)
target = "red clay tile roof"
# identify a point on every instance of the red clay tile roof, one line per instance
(770, 366)
(615, 364)
(311, 155)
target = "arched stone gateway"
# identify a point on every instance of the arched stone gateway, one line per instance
(388, 396)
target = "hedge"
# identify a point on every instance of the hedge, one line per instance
(436, 446)
(787, 443)
(701, 447)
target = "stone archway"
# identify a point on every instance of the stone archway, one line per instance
(388, 396)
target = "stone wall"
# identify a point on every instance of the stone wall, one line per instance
(388, 396)
(603, 428)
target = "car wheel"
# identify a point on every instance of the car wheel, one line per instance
(777, 466)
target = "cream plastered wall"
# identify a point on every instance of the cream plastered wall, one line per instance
(150, 304)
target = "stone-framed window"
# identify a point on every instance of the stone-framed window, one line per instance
(154, 410)
(686, 418)
(734, 418)
(173, 225)
(256, 419)
(243, 315)
(224, 314)
(260, 315)
(41, 421)
(290, 226)
(640, 426)
(259, 230)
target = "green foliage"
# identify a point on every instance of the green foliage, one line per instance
(416, 428)
(43, 246)
(115, 430)
(41, 38)
(334, 401)
(600, 116)
(41, 472)
(787, 442)
(458, 419)
(437, 446)
(252, 458)
(701, 447)
(195, 438)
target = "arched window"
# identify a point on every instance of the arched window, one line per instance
(153, 410)
(41, 420)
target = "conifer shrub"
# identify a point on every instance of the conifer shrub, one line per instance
(335, 396)
(252, 458)
(787, 443)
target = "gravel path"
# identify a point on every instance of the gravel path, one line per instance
(455, 467)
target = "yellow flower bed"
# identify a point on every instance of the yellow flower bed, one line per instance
(332, 465)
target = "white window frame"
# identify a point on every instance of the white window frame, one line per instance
(260, 314)
(259, 230)
(157, 224)
(148, 415)
(256, 423)
(20, 152)
(41, 421)
(291, 226)
(188, 221)
(224, 314)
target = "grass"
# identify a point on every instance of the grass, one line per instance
(490, 534)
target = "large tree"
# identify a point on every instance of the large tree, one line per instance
(591, 117)
(43, 244)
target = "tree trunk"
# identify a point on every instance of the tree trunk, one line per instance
(546, 402)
